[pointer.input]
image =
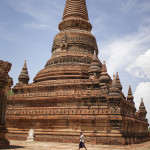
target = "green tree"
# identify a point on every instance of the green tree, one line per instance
(10, 92)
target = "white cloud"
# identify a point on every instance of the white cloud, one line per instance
(121, 53)
(141, 66)
(143, 91)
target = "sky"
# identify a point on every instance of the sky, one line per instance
(121, 28)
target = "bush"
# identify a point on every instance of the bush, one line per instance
(10, 93)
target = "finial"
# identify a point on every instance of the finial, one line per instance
(114, 77)
(141, 100)
(104, 68)
(113, 81)
(129, 91)
(142, 106)
(130, 96)
(142, 110)
(25, 64)
(118, 81)
(117, 76)
(95, 55)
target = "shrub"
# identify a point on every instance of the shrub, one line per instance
(10, 93)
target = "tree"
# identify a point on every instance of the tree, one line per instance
(10, 92)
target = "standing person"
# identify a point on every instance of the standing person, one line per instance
(81, 144)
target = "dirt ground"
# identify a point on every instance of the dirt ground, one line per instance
(23, 145)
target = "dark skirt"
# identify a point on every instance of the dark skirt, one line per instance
(81, 145)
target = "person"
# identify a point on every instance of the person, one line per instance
(81, 144)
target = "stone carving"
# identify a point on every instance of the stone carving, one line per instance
(104, 90)
(63, 44)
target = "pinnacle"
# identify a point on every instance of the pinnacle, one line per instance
(142, 106)
(104, 68)
(117, 76)
(25, 64)
(75, 16)
(114, 81)
(118, 81)
(75, 8)
(142, 110)
(130, 96)
(129, 91)
(114, 77)
(24, 77)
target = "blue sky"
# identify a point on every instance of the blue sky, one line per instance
(122, 30)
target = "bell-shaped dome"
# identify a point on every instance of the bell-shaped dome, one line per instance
(95, 65)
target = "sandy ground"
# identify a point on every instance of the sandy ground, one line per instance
(23, 145)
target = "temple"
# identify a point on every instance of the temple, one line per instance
(74, 93)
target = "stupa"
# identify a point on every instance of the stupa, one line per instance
(74, 93)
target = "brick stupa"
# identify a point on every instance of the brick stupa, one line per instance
(74, 93)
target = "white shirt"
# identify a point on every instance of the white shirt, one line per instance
(82, 138)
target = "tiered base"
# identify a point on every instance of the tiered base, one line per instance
(100, 125)
(73, 137)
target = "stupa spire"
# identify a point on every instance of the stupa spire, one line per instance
(75, 16)
(142, 106)
(142, 110)
(24, 77)
(113, 81)
(104, 68)
(75, 8)
(130, 96)
(118, 81)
